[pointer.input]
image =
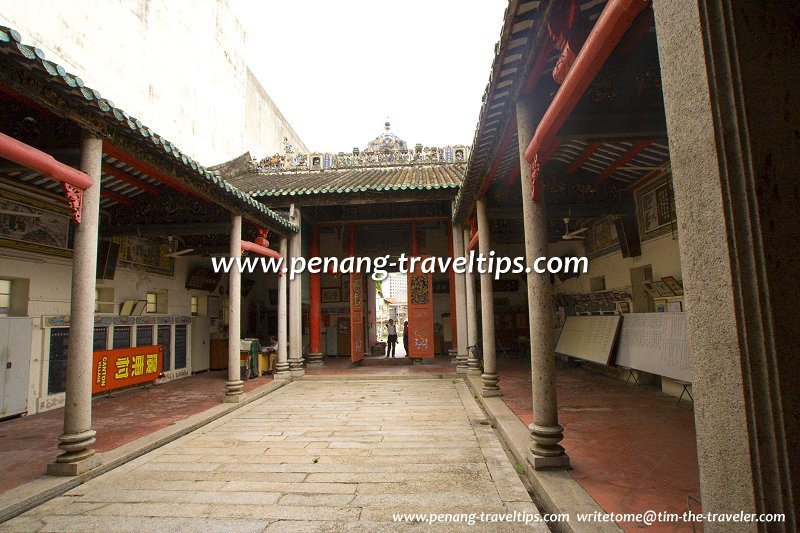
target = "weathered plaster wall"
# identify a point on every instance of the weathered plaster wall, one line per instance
(265, 125)
(177, 66)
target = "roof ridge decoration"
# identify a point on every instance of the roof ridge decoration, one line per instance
(386, 150)
(114, 120)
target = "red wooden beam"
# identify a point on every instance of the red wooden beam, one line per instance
(473, 242)
(45, 164)
(632, 152)
(585, 155)
(114, 197)
(248, 246)
(150, 170)
(542, 55)
(614, 21)
(121, 175)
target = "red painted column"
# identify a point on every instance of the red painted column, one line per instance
(452, 285)
(315, 309)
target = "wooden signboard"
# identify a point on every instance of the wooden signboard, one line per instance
(114, 369)
(589, 337)
(655, 343)
(420, 315)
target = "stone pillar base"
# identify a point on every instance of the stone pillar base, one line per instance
(490, 393)
(315, 360)
(298, 373)
(474, 371)
(453, 356)
(282, 376)
(538, 462)
(75, 468)
(233, 398)
(461, 370)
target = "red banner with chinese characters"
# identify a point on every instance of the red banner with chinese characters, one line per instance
(114, 369)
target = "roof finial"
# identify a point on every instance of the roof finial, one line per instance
(387, 125)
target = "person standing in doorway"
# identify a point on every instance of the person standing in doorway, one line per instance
(405, 337)
(391, 341)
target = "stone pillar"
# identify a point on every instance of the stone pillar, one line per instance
(546, 433)
(78, 436)
(282, 365)
(296, 305)
(489, 376)
(461, 302)
(473, 365)
(451, 275)
(315, 310)
(732, 101)
(234, 387)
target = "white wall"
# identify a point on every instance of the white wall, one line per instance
(177, 66)
(49, 295)
(661, 253)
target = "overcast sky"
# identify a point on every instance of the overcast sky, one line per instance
(337, 68)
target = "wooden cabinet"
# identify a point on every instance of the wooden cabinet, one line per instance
(219, 354)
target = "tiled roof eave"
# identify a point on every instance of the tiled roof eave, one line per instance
(90, 110)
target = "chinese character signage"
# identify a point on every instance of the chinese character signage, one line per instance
(114, 369)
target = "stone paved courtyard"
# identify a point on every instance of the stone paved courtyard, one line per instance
(316, 455)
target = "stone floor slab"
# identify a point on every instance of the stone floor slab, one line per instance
(338, 455)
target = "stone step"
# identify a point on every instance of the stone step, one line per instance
(385, 361)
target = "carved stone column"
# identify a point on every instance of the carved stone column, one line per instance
(489, 376)
(296, 305)
(546, 433)
(473, 365)
(234, 388)
(78, 436)
(461, 302)
(282, 365)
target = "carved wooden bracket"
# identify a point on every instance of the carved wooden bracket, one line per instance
(75, 199)
(261, 240)
(536, 170)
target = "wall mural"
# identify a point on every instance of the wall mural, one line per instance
(136, 253)
(602, 238)
(33, 225)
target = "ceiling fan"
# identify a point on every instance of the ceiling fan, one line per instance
(173, 245)
(570, 235)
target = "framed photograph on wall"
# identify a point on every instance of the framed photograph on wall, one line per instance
(648, 286)
(663, 289)
(126, 309)
(674, 307)
(674, 285)
(330, 294)
(138, 309)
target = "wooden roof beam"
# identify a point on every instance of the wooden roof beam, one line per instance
(121, 175)
(114, 197)
(614, 21)
(632, 152)
(581, 159)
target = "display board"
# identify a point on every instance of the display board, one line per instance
(589, 337)
(655, 343)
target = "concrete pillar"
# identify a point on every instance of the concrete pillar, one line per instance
(473, 365)
(546, 433)
(315, 358)
(461, 302)
(234, 387)
(489, 376)
(282, 365)
(78, 436)
(296, 305)
(732, 100)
